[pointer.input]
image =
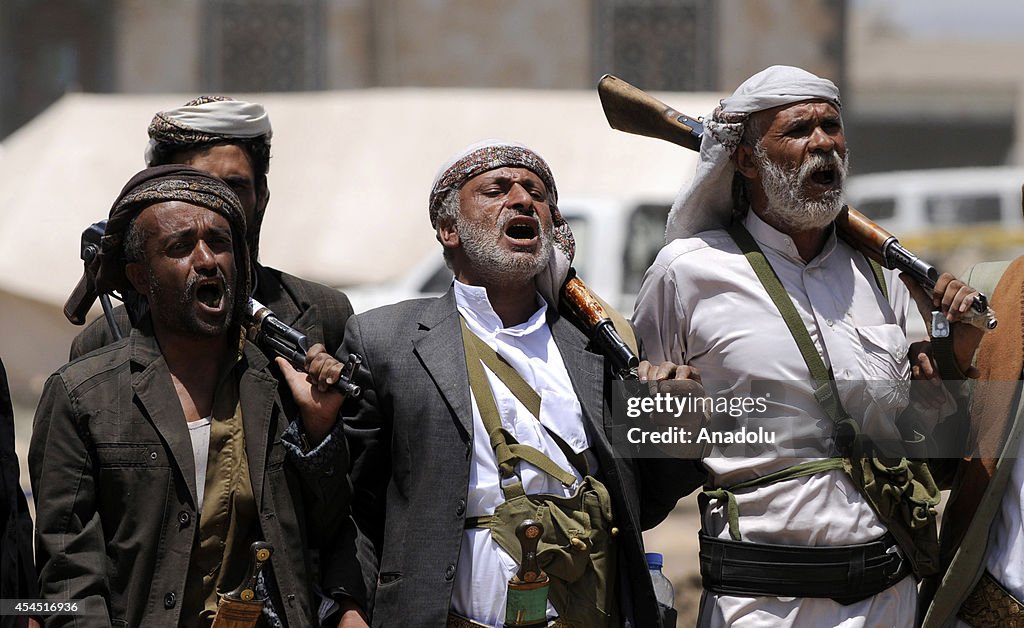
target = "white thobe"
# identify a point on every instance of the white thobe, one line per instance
(701, 304)
(484, 568)
(1005, 558)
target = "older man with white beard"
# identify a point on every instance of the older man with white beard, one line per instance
(754, 286)
(486, 406)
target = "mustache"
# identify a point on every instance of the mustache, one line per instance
(192, 284)
(822, 161)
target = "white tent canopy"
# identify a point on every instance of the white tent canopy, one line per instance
(349, 177)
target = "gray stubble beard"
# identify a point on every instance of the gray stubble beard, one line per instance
(498, 266)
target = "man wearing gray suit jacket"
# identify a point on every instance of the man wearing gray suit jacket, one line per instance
(425, 475)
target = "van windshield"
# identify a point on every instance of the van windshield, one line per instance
(948, 209)
(645, 238)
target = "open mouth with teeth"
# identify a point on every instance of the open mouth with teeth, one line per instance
(210, 294)
(522, 230)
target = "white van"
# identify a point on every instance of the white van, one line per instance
(954, 217)
(912, 200)
(615, 244)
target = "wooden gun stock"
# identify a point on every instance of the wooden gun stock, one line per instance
(632, 110)
(590, 313)
(866, 236)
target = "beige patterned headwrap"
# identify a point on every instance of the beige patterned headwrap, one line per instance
(208, 119)
(489, 155)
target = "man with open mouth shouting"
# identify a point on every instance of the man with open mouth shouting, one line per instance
(157, 461)
(754, 288)
(486, 407)
(230, 139)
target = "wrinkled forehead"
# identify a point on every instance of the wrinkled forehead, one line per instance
(802, 109)
(778, 118)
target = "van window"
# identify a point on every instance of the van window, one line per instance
(877, 208)
(645, 238)
(963, 209)
(580, 228)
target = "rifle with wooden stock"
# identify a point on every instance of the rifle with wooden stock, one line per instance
(632, 110)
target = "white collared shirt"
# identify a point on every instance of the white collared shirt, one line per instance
(701, 304)
(484, 568)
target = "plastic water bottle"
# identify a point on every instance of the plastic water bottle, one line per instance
(662, 588)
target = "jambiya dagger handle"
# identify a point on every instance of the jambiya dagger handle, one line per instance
(242, 608)
(632, 110)
(526, 602)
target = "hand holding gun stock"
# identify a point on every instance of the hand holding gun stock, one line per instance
(633, 110)
(270, 333)
(867, 237)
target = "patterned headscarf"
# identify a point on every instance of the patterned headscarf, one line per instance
(706, 202)
(206, 120)
(490, 155)
(161, 184)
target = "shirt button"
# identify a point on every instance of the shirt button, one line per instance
(170, 600)
(152, 455)
(449, 573)
(184, 518)
(829, 322)
(460, 509)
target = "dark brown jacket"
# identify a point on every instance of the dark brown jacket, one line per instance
(17, 572)
(114, 481)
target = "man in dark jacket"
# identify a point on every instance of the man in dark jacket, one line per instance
(230, 139)
(158, 460)
(17, 574)
(427, 478)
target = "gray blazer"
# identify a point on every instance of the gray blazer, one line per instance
(411, 444)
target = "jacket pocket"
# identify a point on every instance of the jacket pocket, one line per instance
(130, 455)
(386, 578)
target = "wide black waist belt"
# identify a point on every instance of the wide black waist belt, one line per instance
(846, 574)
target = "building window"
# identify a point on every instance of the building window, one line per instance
(657, 44)
(264, 45)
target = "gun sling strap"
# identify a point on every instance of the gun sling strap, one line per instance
(576, 548)
(902, 494)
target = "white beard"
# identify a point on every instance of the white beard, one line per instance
(787, 206)
(495, 264)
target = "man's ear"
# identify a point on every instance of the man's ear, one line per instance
(138, 277)
(746, 161)
(448, 235)
(262, 197)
